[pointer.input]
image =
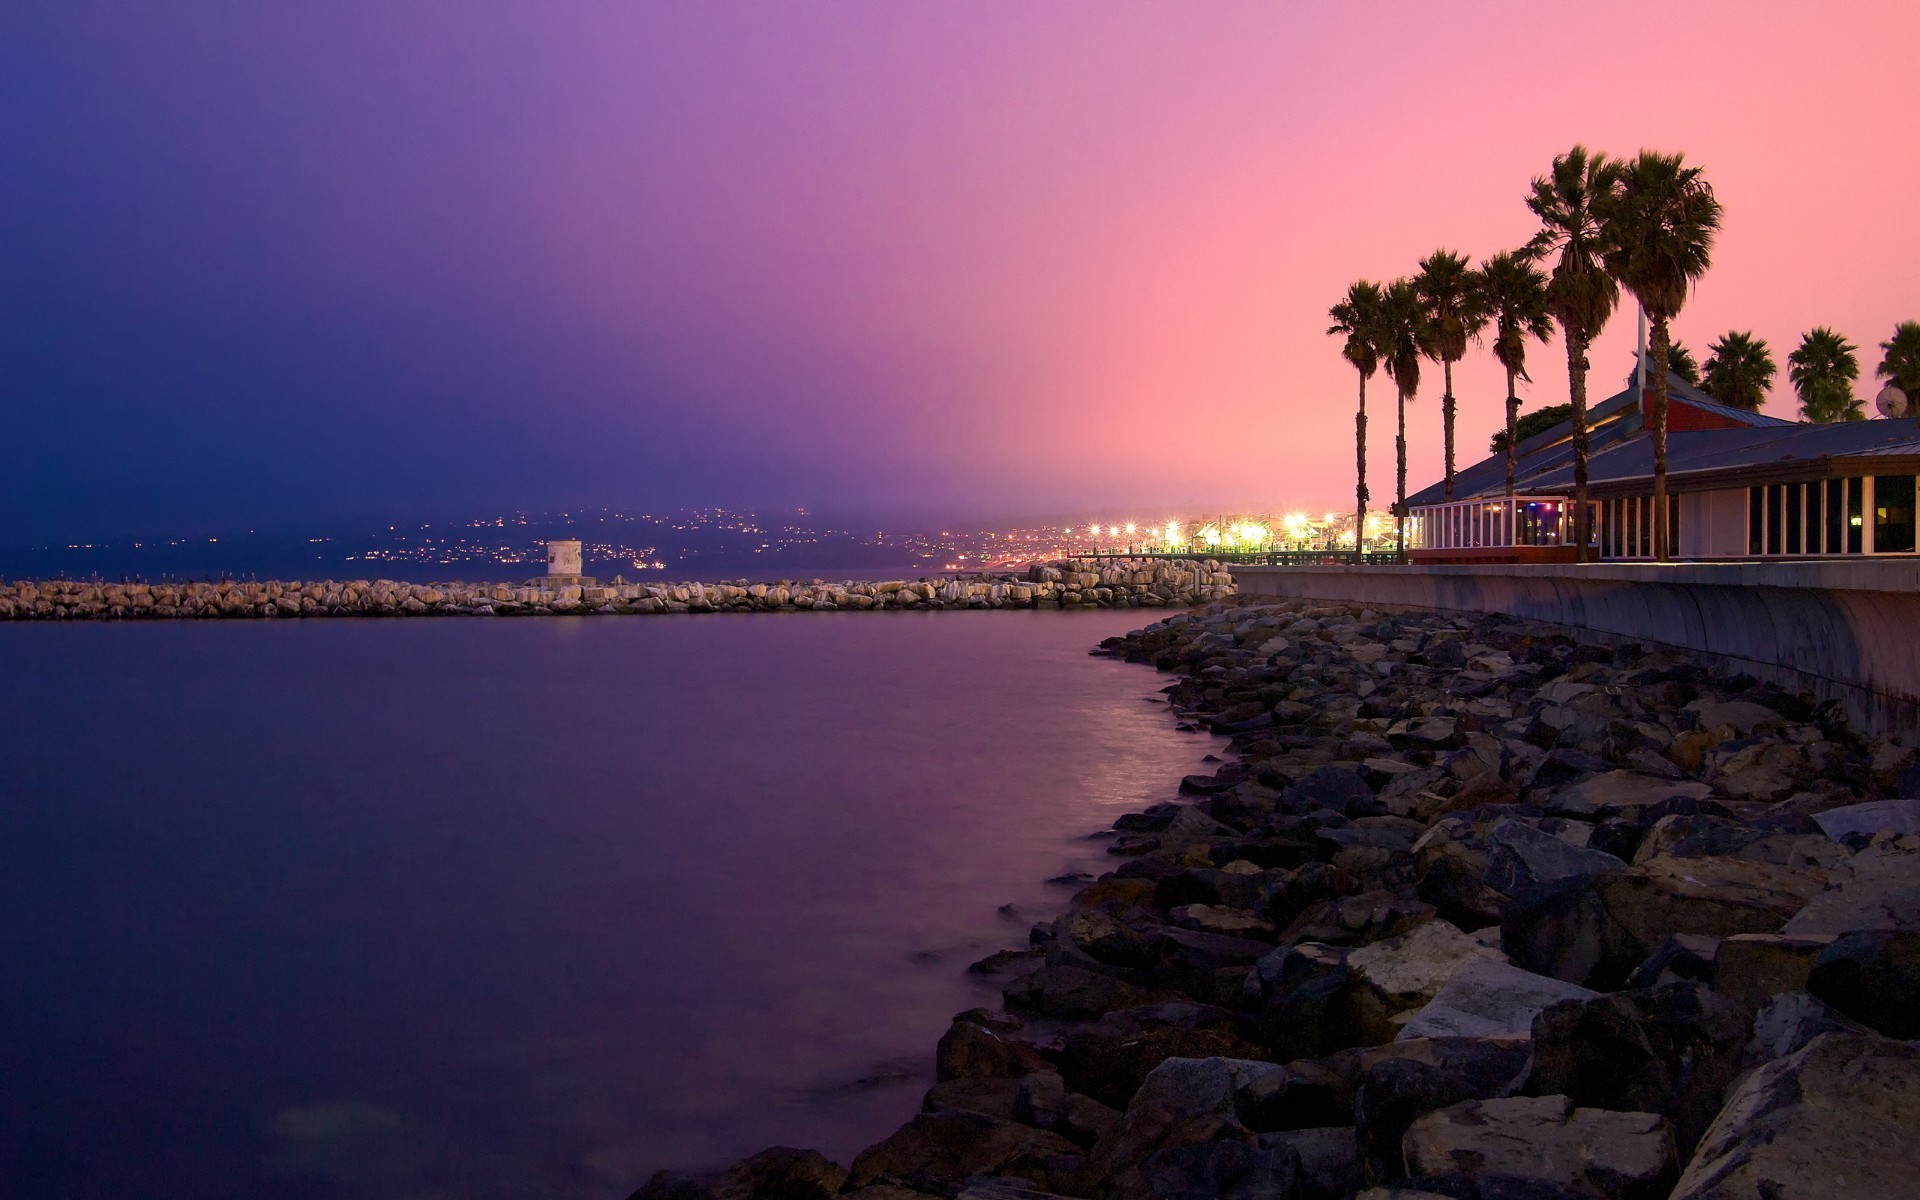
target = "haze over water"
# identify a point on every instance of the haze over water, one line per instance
(346, 910)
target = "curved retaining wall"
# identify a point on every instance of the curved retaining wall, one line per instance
(1844, 631)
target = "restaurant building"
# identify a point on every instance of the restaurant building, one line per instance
(1742, 486)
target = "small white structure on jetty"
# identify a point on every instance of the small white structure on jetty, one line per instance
(563, 564)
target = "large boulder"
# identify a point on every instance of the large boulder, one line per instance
(1588, 1151)
(1874, 978)
(1329, 1160)
(1836, 1118)
(1595, 931)
(1111, 1058)
(1621, 791)
(1750, 969)
(1403, 973)
(1878, 816)
(1065, 990)
(935, 1151)
(1670, 1050)
(1880, 889)
(1520, 856)
(1418, 1077)
(1487, 998)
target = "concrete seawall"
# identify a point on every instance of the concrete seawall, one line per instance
(1848, 632)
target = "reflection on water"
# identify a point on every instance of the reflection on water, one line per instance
(527, 908)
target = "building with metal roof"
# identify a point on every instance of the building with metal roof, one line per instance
(1742, 485)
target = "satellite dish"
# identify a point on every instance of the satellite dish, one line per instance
(1893, 403)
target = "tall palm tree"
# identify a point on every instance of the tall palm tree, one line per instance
(1739, 371)
(1660, 219)
(1680, 361)
(1358, 318)
(1900, 364)
(1512, 292)
(1823, 371)
(1580, 293)
(1406, 337)
(1445, 286)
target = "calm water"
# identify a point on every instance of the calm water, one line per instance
(521, 908)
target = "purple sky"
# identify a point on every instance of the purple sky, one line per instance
(262, 262)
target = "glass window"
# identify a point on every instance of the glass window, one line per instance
(1673, 526)
(1796, 499)
(1643, 525)
(1836, 490)
(1756, 518)
(1856, 507)
(1893, 514)
(1773, 518)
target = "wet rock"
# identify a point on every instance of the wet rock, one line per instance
(1228, 1170)
(1589, 1151)
(1872, 977)
(781, 1173)
(1111, 1058)
(1488, 998)
(935, 1151)
(1670, 1050)
(1299, 997)
(979, 1045)
(1067, 991)
(1040, 1099)
(1835, 1118)
(994, 1097)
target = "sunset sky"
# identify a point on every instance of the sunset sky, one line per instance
(297, 261)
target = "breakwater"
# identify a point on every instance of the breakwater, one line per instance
(1473, 911)
(1065, 584)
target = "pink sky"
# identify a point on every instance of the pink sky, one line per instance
(1003, 258)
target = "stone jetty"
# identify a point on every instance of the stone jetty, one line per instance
(1143, 583)
(1472, 910)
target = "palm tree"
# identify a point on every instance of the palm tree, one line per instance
(1512, 292)
(1580, 293)
(1406, 337)
(1660, 220)
(1739, 372)
(1358, 317)
(1445, 286)
(1680, 361)
(1900, 365)
(1823, 371)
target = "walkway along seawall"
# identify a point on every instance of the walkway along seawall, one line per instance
(1847, 632)
(1066, 584)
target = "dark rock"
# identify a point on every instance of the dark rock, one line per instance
(1299, 996)
(1329, 1159)
(979, 1046)
(1111, 1058)
(1520, 857)
(1752, 968)
(781, 1173)
(1359, 920)
(1682, 958)
(1563, 766)
(1670, 1050)
(994, 1097)
(1874, 978)
(1066, 991)
(1835, 1118)
(1223, 1170)
(1397, 1091)
(1788, 1022)
(1589, 1151)
(935, 1151)
(1339, 789)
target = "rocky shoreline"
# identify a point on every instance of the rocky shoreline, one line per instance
(1143, 583)
(1473, 911)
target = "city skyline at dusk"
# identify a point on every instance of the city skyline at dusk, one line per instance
(268, 265)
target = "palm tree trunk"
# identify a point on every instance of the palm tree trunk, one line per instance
(1446, 418)
(1400, 491)
(1360, 465)
(1577, 391)
(1661, 550)
(1513, 433)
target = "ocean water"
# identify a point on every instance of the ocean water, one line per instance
(502, 909)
